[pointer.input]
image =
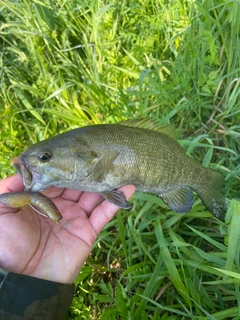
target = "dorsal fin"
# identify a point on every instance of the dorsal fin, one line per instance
(150, 124)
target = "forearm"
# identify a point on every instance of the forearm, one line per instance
(29, 298)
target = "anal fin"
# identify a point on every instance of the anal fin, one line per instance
(116, 197)
(179, 199)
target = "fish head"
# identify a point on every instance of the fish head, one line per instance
(44, 164)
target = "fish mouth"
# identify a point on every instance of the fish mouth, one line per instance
(24, 172)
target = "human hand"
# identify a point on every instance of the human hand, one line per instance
(36, 246)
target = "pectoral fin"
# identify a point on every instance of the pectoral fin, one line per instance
(84, 151)
(178, 199)
(116, 197)
(85, 158)
(102, 166)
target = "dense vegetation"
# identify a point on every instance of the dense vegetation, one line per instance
(65, 64)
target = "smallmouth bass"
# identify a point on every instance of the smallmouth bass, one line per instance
(102, 158)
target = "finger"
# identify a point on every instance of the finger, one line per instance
(106, 210)
(13, 183)
(89, 201)
(74, 200)
(64, 193)
(84, 207)
(72, 194)
(53, 192)
(86, 201)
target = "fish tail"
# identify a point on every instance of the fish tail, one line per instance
(210, 193)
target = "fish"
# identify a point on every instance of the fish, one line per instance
(103, 157)
(21, 199)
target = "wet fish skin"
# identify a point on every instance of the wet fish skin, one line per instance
(102, 158)
(21, 199)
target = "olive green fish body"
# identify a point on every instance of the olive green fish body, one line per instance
(124, 160)
(21, 199)
(102, 158)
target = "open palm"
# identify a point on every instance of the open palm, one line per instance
(36, 246)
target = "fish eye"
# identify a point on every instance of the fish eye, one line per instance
(44, 156)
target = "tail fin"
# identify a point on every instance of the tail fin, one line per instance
(210, 193)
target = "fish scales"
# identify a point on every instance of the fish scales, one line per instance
(147, 163)
(102, 158)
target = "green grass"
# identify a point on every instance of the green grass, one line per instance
(71, 63)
